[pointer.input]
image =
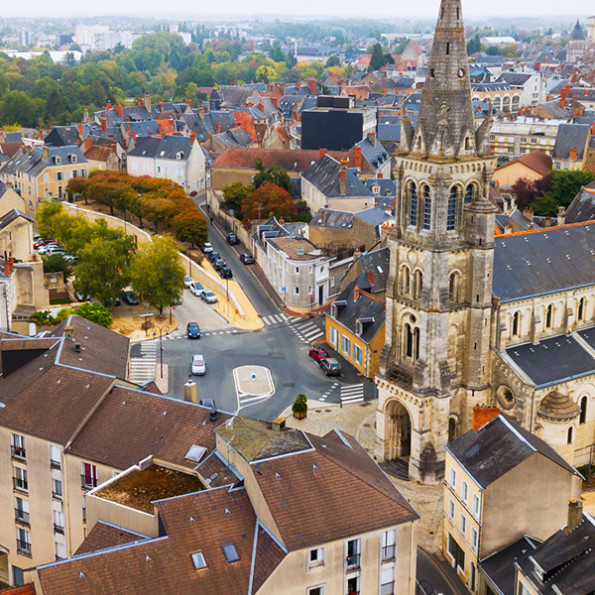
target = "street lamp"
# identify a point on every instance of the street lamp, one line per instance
(160, 348)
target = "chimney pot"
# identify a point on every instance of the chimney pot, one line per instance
(575, 515)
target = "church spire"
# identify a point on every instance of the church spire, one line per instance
(445, 126)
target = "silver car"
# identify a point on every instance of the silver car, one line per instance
(198, 366)
(209, 297)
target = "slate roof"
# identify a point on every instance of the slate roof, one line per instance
(332, 218)
(588, 335)
(324, 175)
(582, 208)
(567, 560)
(30, 162)
(553, 360)
(375, 154)
(234, 138)
(11, 216)
(367, 310)
(374, 216)
(196, 124)
(571, 136)
(377, 262)
(60, 136)
(497, 447)
(514, 79)
(544, 261)
(163, 148)
(499, 567)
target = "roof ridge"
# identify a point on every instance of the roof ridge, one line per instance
(546, 229)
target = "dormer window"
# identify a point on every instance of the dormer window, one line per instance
(73, 158)
(57, 160)
(198, 559)
(179, 155)
(376, 189)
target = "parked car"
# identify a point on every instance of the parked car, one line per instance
(193, 330)
(247, 258)
(207, 247)
(197, 288)
(209, 297)
(55, 249)
(219, 263)
(129, 298)
(225, 272)
(232, 239)
(82, 297)
(198, 366)
(38, 243)
(213, 256)
(318, 354)
(37, 237)
(45, 248)
(188, 281)
(330, 366)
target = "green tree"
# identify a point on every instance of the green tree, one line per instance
(56, 263)
(234, 196)
(275, 175)
(333, 61)
(191, 226)
(565, 184)
(157, 274)
(377, 60)
(95, 313)
(473, 45)
(103, 270)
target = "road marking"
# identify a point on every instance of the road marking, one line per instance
(352, 393)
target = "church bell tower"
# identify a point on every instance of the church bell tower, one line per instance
(434, 365)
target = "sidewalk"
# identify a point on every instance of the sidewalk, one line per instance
(359, 420)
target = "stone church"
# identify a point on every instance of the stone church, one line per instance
(577, 44)
(473, 319)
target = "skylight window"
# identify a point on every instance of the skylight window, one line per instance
(198, 559)
(231, 553)
(195, 453)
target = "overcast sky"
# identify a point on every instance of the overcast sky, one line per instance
(336, 8)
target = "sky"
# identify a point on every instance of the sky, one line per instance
(334, 8)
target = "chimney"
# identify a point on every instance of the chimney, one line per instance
(190, 391)
(128, 130)
(139, 101)
(147, 102)
(380, 175)
(40, 135)
(357, 157)
(87, 143)
(323, 152)
(161, 106)
(219, 127)
(528, 213)
(103, 124)
(68, 331)
(45, 153)
(372, 137)
(572, 154)
(575, 515)
(561, 216)
(119, 110)
(312, 85)
(356, 293)
(80, 129)
(134, 136)
(370, 275)
(342, 178)
(77, 347)
(192, 137)
(201, 111)
(108, 105)
(85, 116)
(482, 415)
(298, 85)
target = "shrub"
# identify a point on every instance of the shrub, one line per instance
(300, 405)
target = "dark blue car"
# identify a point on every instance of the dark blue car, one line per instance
(193, 330)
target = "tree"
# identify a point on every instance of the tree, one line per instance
(56, 263)
(333, 61)
(267, 201)
(103, 270)
(157, 274)
(377, 60)
(191, 226)
(95, 313)
(275, 174)
(234, 196)
(565, 185)
(473, 45)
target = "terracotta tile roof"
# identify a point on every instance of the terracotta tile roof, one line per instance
(103, 535)
(283, 134)
(9, 149)
(537, 161)
(96, 153)
(246, 122)
(201, 522)
(268, 556)
(28, 589)
(93, 354)
(130, 425)
(300, 490)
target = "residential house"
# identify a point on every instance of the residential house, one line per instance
(101, 158)
(296, 268)
(571, 146)
(501, 483)
(177, 158)
(269, 511)
(42, 173)
(563, 563)
(530, 84)
(355, 322)
(582, 208)
(532, 166)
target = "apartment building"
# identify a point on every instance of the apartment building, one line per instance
(42, 173)
(501, 484)
(271, 510)
(513, 137)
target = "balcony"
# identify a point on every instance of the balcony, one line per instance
(387, 588)
(88, 482)
(18, 453)
(388, 553)
(55, 464)
(21, 485)
(21, 516)
(23, 547)
(58, 529)
(56, 496)
(352, 562)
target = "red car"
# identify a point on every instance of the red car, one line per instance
(317, 354)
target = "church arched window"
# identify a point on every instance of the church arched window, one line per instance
(583, 407)
(516, 323)
(569, 436)
(454, 282)
(469, 194)
(405, 280)
(451, 213)
(417, 284)
(413, 205)
(427, 207)
(549, 316)
(580, 313)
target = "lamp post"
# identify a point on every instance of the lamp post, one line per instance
(227, 294)
(160, 349)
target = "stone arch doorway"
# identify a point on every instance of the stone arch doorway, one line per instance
(399, 434)
(452, 428)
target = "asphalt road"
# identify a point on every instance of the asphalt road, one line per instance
(431, 578)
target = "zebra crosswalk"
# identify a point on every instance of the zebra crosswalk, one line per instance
(142, 367)
(307, 331)
(278, 319)
(352, 393)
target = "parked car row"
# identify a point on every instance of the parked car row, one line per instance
(329, 365)
(50, 247)
(199, 290)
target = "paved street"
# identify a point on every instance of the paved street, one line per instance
(432, 578)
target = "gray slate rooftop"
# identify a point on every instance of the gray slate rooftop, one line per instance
(544, 262)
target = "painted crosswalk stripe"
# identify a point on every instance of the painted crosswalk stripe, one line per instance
(352, 393)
